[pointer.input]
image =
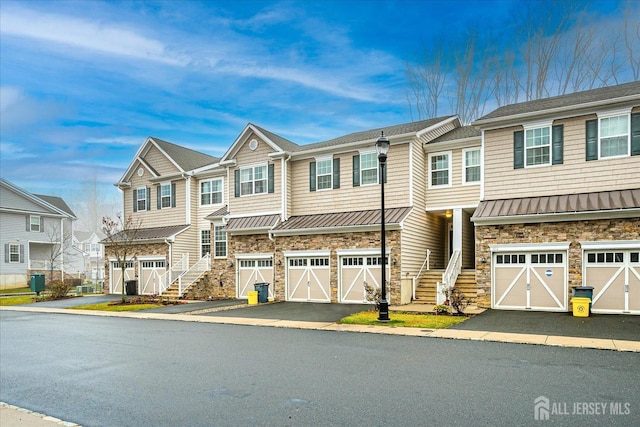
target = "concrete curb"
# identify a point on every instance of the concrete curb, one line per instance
(11, 415)
(461, 334)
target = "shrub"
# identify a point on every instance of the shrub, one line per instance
(59, 289)
(457, 300)
(373, 294)
(441, 309)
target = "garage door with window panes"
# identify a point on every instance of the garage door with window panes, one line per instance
(308, 279)
(151, 273)
(356, 274)
(252, 271)
(530, 281)
(615, 277)
(115, 286)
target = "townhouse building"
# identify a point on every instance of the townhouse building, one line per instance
(36, 236)
(530, 200)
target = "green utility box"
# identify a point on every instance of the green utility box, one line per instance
(37, 283)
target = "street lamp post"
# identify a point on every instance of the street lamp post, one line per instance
(382, 147)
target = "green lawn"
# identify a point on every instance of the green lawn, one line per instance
(15, 291)
(408, 320)
(107, 306)
(25, 299)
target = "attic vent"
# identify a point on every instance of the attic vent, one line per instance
(253, 144)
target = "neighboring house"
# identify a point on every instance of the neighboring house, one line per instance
(305, 219)
(560, 202)
(92, 254)
(36, 235)
(533, 199)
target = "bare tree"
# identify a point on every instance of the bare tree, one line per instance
(631, 16)
(121, 236)
(59, 241)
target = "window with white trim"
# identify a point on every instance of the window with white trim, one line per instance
(253, 180)
(14, 252)
(324, 174)
(537, 146)
(220, 241)
(165, 195)
(141, 198)
(440, 169)
(34, 223)
(205, 242)
(471, 159)
(614, 136)
(211, 192)
(368, 168)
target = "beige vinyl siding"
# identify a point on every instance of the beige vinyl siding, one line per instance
(159, 162)
(419, 173)
(347, 197)
(457, 194)
(575, 175)
(186, 242)
(259, 203)
(433, 235)
(414, 245)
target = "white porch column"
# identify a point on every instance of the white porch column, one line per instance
(457, 230)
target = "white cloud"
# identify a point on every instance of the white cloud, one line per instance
(86, 34)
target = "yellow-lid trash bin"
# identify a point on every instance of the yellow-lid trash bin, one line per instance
(580, 306)
(253, 297)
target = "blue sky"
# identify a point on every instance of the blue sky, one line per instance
(83, 83)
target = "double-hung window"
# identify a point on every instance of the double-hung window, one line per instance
(165, 195)
(471, 158)
(34, 223)
(368, 168)
(14, 252)
(324, 174)
(205, 242)
(220, 240)
(141, 199)
(253, 180)
(440, 169)
(614, 136)
(211, 192)
(537, 145)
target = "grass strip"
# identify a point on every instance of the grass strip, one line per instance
(107, 306)
(403, 319)
(23, 299)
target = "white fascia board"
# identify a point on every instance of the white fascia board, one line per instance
(529, 247)
(213, 168)
(436, 125)
(363, 252)
(335, 230)
(246, 231)
(137, 156)
(558, 217)
(299, 254)
(254, 256)
(151, 258)
(610, 244)
(349, 147)
(449, 207)
(454, 144)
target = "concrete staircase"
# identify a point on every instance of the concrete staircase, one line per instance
(189, 280)
(426, 289)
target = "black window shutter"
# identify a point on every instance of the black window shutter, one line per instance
(557, 143)
(42, 224)
(270, 183)
(635, 134)
(6, 253)
(148, 201)
(336, 173)
(236, 179)
(356, 171)
(518, 149)
(135, 200)
(159, 196)
(28, 223)
(312, 176)
(592, 139)
(173, 194)
(21, 254)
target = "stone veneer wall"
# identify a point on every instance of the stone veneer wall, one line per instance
(573, 232)
(149, 249)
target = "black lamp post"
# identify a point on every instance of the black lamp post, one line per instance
(382, 147)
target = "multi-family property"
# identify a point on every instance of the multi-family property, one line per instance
(36, 235)
(90, 246)
(517, 208)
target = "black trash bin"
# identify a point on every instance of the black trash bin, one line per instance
(263, 291)
(583, 292)
(37, 283)
(131, 287)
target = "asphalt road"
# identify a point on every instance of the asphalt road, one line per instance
(99, 371)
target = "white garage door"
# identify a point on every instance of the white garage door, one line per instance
(251, 271)
(530, 281)
(356, 271)
(308, 279)
(615, 277)
(115, 285)
(150, 273)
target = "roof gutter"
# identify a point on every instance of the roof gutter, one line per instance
(557, 217)
(335, 230)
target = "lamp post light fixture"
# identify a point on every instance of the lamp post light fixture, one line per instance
(382, 148)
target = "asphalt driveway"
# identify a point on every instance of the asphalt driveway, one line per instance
(608, 326)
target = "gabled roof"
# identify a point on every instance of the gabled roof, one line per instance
(589, 98)
(463, 132)
(281, 142)
(58, 203)
(558, 208)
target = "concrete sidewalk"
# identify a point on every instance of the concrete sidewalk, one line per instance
(11, 416)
